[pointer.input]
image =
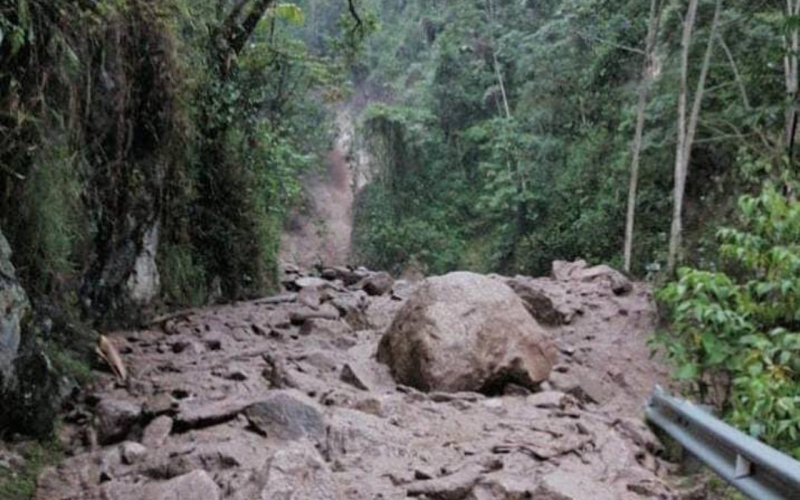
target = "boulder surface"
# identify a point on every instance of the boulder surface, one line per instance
(466, 332)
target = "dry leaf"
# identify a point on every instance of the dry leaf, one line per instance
(107, 351)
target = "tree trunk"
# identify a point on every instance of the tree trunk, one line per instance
(647, 78)
(790, 62)
(687, 131)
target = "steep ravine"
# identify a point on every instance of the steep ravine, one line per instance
(283, 398)
(319, 230)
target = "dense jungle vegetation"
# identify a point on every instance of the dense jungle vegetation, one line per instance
(171, 135)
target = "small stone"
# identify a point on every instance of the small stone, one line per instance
(547, 400)
(516, 390)
(115, 418)
(132, 453)
(377, 284)
(157, 432)
(349, 376)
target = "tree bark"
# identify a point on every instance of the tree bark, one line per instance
(644, 86)
(687, 131)
(791, 48)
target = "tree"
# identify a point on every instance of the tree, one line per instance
(790, 62)
(687, 128)
(648, 74)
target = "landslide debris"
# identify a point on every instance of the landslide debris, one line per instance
(285, 397)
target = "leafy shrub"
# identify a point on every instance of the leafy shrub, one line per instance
(740, 331)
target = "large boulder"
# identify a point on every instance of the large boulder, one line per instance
(14, 307)
(466, 332)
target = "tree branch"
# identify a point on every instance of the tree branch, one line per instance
(354, 12)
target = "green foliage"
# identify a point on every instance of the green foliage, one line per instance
(183, 280)
(745, 324)
(21, 484)
(401, 217)
(52, 210)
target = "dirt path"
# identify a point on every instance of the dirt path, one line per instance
(319, 231)
(283, 398)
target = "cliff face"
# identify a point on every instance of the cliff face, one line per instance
(14, 307)
(91, 173)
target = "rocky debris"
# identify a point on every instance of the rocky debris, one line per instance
(14, 307)
(296, 473)
(539, 304)
(377, 284)
(266, 408)
(350, 375)
(466, 332)
(549, 399)
(580, 271)
(285, 417)
(157, 432)
(196, 485)
(327, 312)
(132, 452)
(115, 418)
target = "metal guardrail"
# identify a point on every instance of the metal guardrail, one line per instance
(755, 469)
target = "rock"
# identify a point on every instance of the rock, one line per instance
(592, 389)
(352, 278)
(548, 400)
(311, 282)
(580, 271)
(144, 282)
(310, 297)
(132, 453)
(466, 332)
(617, 281)
(157, 432)
(455, 486)
(502, 487)
(351, 376)
(353, 307)
(325, 327)
(568, 486)
(331, 274)
(377, 284)
(289, 268)
(296, 473)
(196, 485)
(14, 307)
(201, 413)
(286, 417)
(538, 304)
(566, 271)
(344, 274)
(277, 373)
(115, 418)
(325, 312)
(10, 460)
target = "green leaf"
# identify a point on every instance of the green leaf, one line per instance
(288, 12)
(688, 371)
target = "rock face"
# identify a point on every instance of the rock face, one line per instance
(13, 308)
(466, 332)
(144, 282)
